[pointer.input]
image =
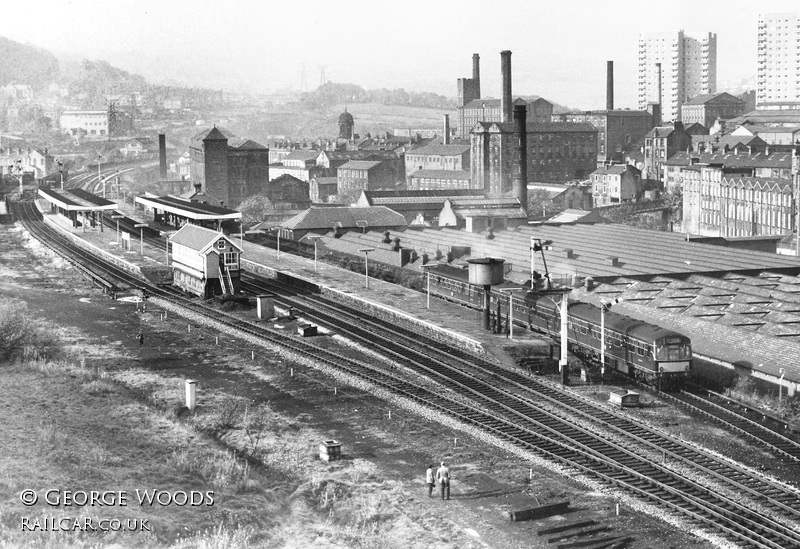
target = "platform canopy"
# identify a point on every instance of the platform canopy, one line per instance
(191, 210)
(77, 200)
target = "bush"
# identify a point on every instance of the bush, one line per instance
(19, 334)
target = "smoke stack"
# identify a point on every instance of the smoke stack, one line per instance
(610, 85)
(476, 74)
(505, 71)
(446, 130)
(658, 82)
(162, 156)
(520, 179)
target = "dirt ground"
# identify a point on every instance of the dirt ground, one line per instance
(105, 416)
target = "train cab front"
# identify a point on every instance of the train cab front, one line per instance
(673, 355)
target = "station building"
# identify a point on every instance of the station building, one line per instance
(176, 212)
(80, 208)
(205, 262)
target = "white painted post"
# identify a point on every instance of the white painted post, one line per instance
(190, 393)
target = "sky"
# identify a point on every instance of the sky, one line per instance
(559, 49)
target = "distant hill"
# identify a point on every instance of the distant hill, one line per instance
(301, 123)
(21, 64)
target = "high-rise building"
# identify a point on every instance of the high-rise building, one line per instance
(778, 61)
(674, 67)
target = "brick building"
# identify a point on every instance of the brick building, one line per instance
(365, 175)
(615, 184)
(705, 109)
(659, 145)
(557, 152)
(437, 157)
(228, 169)
(618, 131)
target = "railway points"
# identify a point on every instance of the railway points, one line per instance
(522, 430)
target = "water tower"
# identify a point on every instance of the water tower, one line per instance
(487, 272)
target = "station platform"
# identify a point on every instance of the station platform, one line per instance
(401, 301)
(443, 316)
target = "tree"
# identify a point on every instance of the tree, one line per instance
(255, 209)
(540, 204)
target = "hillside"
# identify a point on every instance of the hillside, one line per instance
(369, 118)
(21, 64)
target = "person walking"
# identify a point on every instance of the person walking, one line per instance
(443, 476)
(429, 479)
(140, 337)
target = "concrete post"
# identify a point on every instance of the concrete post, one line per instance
(190, 393)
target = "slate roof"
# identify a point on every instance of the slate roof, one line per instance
(615, 169)
(722, 97)
(441, 150)
(245, 144)
(214, 133)
(546, 127)
(316, 218)
(479, 103)
(359, 165)
(194, 210)
(303, 155)
(732, 160)
(577, 216)
(198, 238)
(442, 174)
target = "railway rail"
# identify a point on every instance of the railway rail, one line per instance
(785, 445)
(518, 421)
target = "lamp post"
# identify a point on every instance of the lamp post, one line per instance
(428, 269)
(61, 171)
(278, 232)
(562, 306)
(100, 179)
(314, 238)
(604, 306)
(117, 217)
(141, 227)
(366, 264)
(510, 309)
(780, 387)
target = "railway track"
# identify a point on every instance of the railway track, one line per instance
(517, 421)
(728, 476)
(785, 445)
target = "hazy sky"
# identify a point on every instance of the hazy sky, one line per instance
(560, 48)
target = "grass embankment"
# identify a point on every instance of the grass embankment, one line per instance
(68, 426)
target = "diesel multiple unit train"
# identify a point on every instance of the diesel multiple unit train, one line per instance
(641, 350)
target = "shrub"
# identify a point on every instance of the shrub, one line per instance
(19, 334)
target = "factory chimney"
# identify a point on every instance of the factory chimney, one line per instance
(446, 130)
(660, 103)
(505, 71)
(162, 156)
(609, 85)
(476, 74)
(520, 177)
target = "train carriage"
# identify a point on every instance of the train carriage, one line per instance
(641, 350)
